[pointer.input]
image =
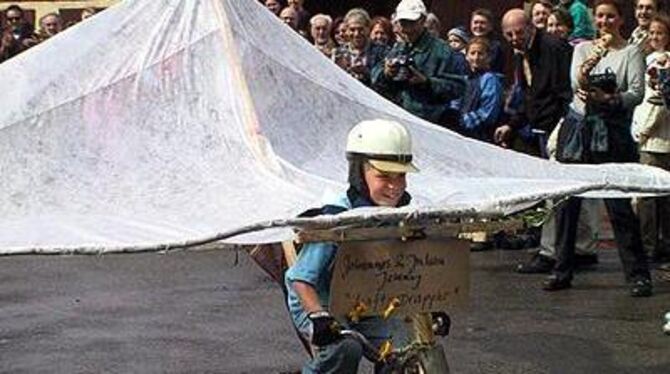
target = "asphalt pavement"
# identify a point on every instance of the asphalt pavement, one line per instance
(216, 312)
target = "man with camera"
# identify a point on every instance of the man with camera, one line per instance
(420, 73)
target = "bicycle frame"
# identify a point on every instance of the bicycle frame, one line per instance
(423, 353)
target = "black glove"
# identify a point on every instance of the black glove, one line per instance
(441, 323)
(325, 329)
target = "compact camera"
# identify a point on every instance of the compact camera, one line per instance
(403, 63)
(605, 81)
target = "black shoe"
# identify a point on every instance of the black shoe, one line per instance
(658, 257)
(641, 288)
(663, 267)
(539, 264)
(586, 260)
(554, 283)
(481, 246)
(533, 239)
(515, 243)
(512, 242)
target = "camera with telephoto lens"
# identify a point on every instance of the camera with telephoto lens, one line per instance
(403, 62)
(604, 81)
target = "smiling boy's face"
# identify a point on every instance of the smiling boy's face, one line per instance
(386, 189)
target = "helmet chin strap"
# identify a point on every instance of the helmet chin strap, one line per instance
(357, 184)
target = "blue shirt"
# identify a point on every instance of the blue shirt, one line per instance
(482, 105)
(315, 267)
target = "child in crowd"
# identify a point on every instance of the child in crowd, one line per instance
(458, 39)
(482, 103)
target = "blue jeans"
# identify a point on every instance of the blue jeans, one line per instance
(345, 355)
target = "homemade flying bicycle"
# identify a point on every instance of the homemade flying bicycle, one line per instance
(406, 274)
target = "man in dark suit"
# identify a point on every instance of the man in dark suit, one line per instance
(541, 91)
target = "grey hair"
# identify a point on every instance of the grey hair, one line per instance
(52, 14)
(358, 14)
(321, 17)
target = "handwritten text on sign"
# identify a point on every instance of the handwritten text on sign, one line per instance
(425, 275)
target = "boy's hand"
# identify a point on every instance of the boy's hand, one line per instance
(441, 323)
(325, 329)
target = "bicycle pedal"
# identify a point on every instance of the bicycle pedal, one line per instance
(356, 313)
(391, 308)
(385, 350)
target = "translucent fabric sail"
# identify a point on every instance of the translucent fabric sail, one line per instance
(159, 123)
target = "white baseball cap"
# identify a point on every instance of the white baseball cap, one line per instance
(410, 10)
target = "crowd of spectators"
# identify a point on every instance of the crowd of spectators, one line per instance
(562, 82)
(18, 34)
(558, 81)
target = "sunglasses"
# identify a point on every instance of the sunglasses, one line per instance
(10, 19)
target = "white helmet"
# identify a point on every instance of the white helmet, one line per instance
(386, 144)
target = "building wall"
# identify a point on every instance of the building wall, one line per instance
(455, 13)
(68, 9)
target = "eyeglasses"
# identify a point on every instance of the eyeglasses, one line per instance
(12, 19)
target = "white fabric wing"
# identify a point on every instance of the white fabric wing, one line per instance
(157, 123)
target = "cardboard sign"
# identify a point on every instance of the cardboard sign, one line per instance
(424, 275)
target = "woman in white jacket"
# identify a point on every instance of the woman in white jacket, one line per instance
(651, 129)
